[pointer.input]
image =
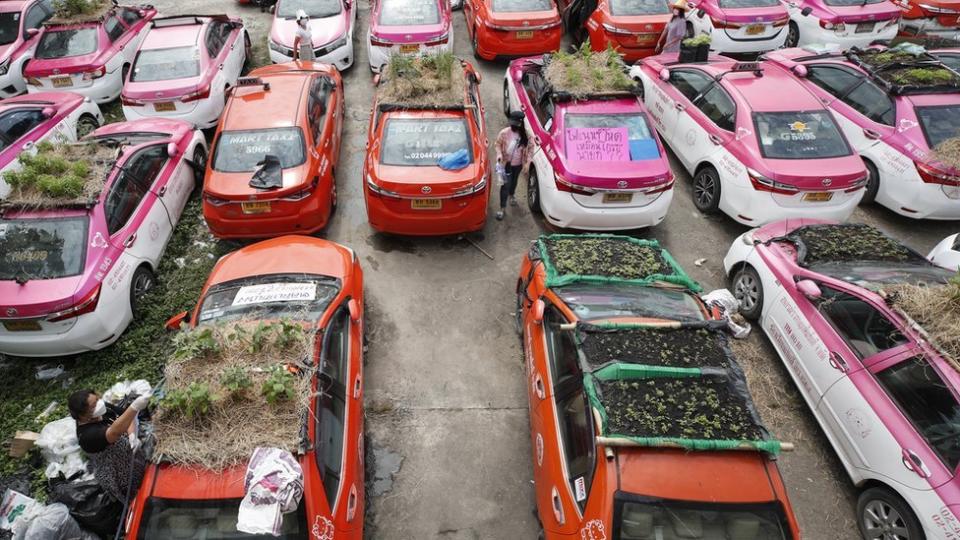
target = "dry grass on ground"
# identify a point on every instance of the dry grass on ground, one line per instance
(585, 72)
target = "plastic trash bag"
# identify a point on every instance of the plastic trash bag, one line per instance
(51, 522)
(729, 306)
(454, 161)
(59, 446)
(90, 505)
(119, 391)
(273, 486)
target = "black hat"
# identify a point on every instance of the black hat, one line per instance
(516, 118)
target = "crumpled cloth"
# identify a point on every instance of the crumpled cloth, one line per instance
(273, 486)
(729, 306)
(122, 389)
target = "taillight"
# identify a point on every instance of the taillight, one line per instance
(214, 201)
(563, 185)
(762, 183)
(95, 74)
(202, 93)
(33, 81)
(439, 40)
(859, 183)
(470, 190)
(931, 175)
(379, 42)
(660, 189)
(130, 102)
(303, 193)
(377, 190)
(724, 24)
(781, 22)
(830, 25)
(87, 304)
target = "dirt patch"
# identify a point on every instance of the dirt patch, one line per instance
(60, 175)
(613, 257)
(683, 347)
(430, 80)
(689, 408)
(77, 11)
(584, 72)
(850, 242)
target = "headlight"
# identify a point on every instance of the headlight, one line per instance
(276, 47)
(331, 47)
(4, 66)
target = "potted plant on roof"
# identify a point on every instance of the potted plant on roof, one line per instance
(695, 49)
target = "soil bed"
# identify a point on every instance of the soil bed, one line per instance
(684, 347)
(612, 257)
(425, 81)
(60, 175)
(687, 408)
(584, 72)
(851, 242)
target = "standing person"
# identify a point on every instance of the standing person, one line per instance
(303, 42)
(512, 157)
(675, 30)
(110, 440)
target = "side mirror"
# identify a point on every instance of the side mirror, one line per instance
(692, 5)
(32, 32)
(48, 112)
(538, 308)
(354, 308)
(701, 13)
(664, 74)
(172, 150)
(800, 71)
(173, 323)
(806, 11)
(142, 13)
(273, 9)
(376, 80)
(809, 289)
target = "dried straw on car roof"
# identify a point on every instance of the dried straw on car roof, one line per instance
(43, 181)
(235, 424)
(948, 152)
(583, 72)
(426, 81)
(936, 308)
(77, 11)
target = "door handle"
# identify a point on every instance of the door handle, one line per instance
(679, 106)
(871, 134)
(130, 240)
(913, 463)
(161, 191)
(715, 139)
(538, 386)
(837, 362)
(352, 503)
(557, 505)
(356, 388)
(536, 139)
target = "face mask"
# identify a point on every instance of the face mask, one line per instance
(100, 409)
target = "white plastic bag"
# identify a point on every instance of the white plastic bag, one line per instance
(59, 446)
(51, 522)
(273, 486)
(729, 306)
(122, 389)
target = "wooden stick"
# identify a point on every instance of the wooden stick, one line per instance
(618, 442)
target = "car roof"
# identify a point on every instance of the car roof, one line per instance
(773, 91)
(254, 107)
(599, 106)
(7, 6)
(181, 35)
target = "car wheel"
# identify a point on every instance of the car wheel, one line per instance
(541, 535)
(748, 289)
(533, 192)
(793, 36)
(882, 515)
(247, 51)
(86, 125)
(123, 74)
(506, 99)
(873, 183)
(142, 282)
(706, 190)
(518, 314)
(476, 45)
(199, 169)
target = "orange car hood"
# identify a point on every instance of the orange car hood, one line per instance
(179, 482)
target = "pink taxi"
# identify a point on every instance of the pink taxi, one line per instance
(20, 22)
(597, 163)
(887, 400)
(71, 276)
(760, 147)
(848, 23)
(332, 25)
(408, 27)
(90, 57)
(739, 26)
(893, 126)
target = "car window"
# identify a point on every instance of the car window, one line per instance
(316, 105)
(939, 123)
(34, 17)
(331, 406)
(130, 16)
(337, 347)
(17, 123)
(113, 28)
(545, 110)
(10, 27)
(242, 151)
(146, 165)
(66, 42)
(576, 437)
(409, 12)
(835, 80)
(561, 348)
(865, 329)
(799, 135)
(214, 39)
(420, 142)
(124, 197)
(166, 64)
(535, 86)
(515, 6)
(638, 7)
(951, 60)
(641, 144)
(315, 9)
(474, 96)
(869, 100)
(718, 107)
(44, 248)
(926, 400)
(689, 83)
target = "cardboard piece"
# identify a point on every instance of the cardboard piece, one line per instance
(22, 442)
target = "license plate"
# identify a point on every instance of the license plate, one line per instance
(864, 28)
(818, 196)
(646, 38)
(164, 106)
(22, 326)
(609, 198)
(755, 29)
(525, 34)
(60, 82)
(426, 204)
(259, 207)
(409, 48)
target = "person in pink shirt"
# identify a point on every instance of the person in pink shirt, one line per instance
(513, 154)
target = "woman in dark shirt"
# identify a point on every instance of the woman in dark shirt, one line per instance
(109, 439)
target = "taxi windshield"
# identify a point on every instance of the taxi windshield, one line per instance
(422, 142)
(735, 4)
(301, 297)
(609, 137)
(42, 248)
(799, 135)
(510, 6)
(866, 272)
(638, 7)
(9, 27)
(409, 12)
(595, 302)
(241, 151)
(166, 64)
(852, 2)
(211, 519)
(637, 516)
(66, 42)
(315, 9)
(939, 123)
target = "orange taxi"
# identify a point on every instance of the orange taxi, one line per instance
(591, 337)
(178, 501)
(276, 147)
(631, 27)
(406, 190)
(508, 28)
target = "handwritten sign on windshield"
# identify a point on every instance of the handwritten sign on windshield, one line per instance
(275, 292)
(598, 144)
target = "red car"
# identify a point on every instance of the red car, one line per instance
(512, 27)
(174, 498)
(631, 27)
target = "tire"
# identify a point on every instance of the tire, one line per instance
(86, 125)
(248, 50)
(506, 99)
(748, 289)
(882, 514)
(124, 71)
(533, 192)
(706, 190)
(199, 168)
(476, 45)
(518, 314)
(793, 36)
(873, 184)
(141, 282)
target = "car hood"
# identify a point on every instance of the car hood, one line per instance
(236, 186)
(782, 228)
(325, 30)
(411, 181)
(38, 297)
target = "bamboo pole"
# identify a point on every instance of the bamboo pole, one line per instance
(618, 442)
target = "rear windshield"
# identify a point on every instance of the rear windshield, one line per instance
(609, 137)
(939, 123)
(799, 135)
(314, 9)
(522, 5)
(952, 61)
(421, 142)
(240, 151)
(300, 297)
(166, 64)
(734, 4)
(9, 27)
(590, 302)
(851, 2)
(42, 248)
(656, 518)
(638, 7)
(409, 12)
(214, 519)
(67, 42)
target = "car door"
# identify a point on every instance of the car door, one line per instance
(137, 219)
(133, 33)
(175, 188)
(214, 42)
(703, 129)
(233, 38)
(669, 99)
(865, 112)
(35, 16)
